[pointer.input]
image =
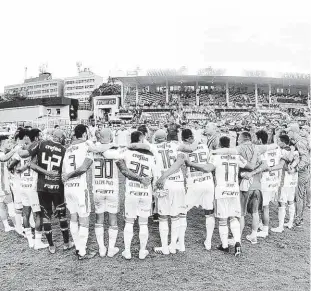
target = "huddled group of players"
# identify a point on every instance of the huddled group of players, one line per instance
(41, 177)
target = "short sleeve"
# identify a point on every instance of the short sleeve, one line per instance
(113, 155)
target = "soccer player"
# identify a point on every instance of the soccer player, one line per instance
(77, 161)
(138, 197)
(106, 191)
(288, 182)
(50, 155)
(5, 195)
(173, 204)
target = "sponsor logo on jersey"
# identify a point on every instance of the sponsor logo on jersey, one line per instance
(72, 184)
(135, 193)
(140, 157)
(49, 186)
(230, 193)
(104, 191)
(53, 148)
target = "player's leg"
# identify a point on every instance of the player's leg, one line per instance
(27, 228)
(281, 210)
(265, 214)
(143, 236)
(235, 229)
(99, 232)
(4, 214)
(113, 234)
(18, 211)
(210, 226)
(130, 215)
(244, 197)
(182, 232)
(74, 230)
(163, 229)
(301, 192)
(291, 207)
(254, 209)
(46, 200)
(175, 226)
(223, 233)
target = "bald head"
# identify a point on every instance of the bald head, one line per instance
(160, 136)
(211, 128)
(58, 135)
(105, 135)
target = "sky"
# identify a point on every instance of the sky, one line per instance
(108, 36)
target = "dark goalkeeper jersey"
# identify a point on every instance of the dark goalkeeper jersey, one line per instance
(50, 157)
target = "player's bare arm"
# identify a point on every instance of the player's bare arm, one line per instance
(252, 164)
(33, 165)
(12, 164)
(279, 166)
(100, 148)
(131, 175)
(141, 146)
(7, 156)
(262, 167)
(206, 168)
(188, 148)
(79, 171)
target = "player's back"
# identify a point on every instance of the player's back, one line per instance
(28, 176)
(200, 156)
(288, 179)
(226, 174)
(142, 163)
(105, 171)
(166, 155)
(50, 157)
(74, 157)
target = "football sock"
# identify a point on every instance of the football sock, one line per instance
(223, 233)
(38, 236)
(264, 229)
(31, 220)
(74, 229)
(210, 225)
(143, 235)
(163, 229)
(182, 231)
(28, 234)
(174, 230)
(128, 235)
(47, 226)
(281, 216)
(235, 229)
(83, 236)
(99, 232)
(113, 234)
(5, 224)
(11, 209)
(291, 212)
(18, 220)
(64, 228)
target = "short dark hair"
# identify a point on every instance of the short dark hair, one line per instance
(186, 134)
(263, 136)
(246, 135)
(20, 134)
(143, 129)
(80, 129)
(33, 133)
(284, 138)
(224, 142)
(135, 136)
(56, 126)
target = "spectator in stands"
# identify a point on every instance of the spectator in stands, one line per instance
(122, 136)
(172, 129)
(92, 130)
(197, 132)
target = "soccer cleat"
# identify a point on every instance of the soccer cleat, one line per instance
(87, 256)
(277, 229)
(262, 234)
(221, 248)
(299, 223)
(172, 249)
(112, 252)
(52, 249)
(237, 249)
(161, 250)
(102, 251)
(126, 254)
(207, 245)
(252, 240)
(231, 242)
(68, 246)
(10, 228)
(289, 225)
(143, 254)
(40, 245)
(260, 226)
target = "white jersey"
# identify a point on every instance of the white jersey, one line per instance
(165, 156)
(200, 156)
(73, 159)
(141, 162)
(106, 173)
(270, 181)
(29, 177)
(226, 174)
(4, 176)
(289, 180)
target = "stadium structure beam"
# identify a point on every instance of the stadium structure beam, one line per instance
(227, 93)
(137, 94)
(269, 94)
(256, 95)
(122, 94)
(167, 90)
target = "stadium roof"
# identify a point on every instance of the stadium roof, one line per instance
(191, 80)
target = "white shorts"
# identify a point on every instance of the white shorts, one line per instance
(287, 194)
(106, 203)
(29, 197)
(268, 196)
(228, 207)
(78, 201)
(174, 203)
(137, 206)
(200, 195)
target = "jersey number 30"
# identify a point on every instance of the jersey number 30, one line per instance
(103, 167)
